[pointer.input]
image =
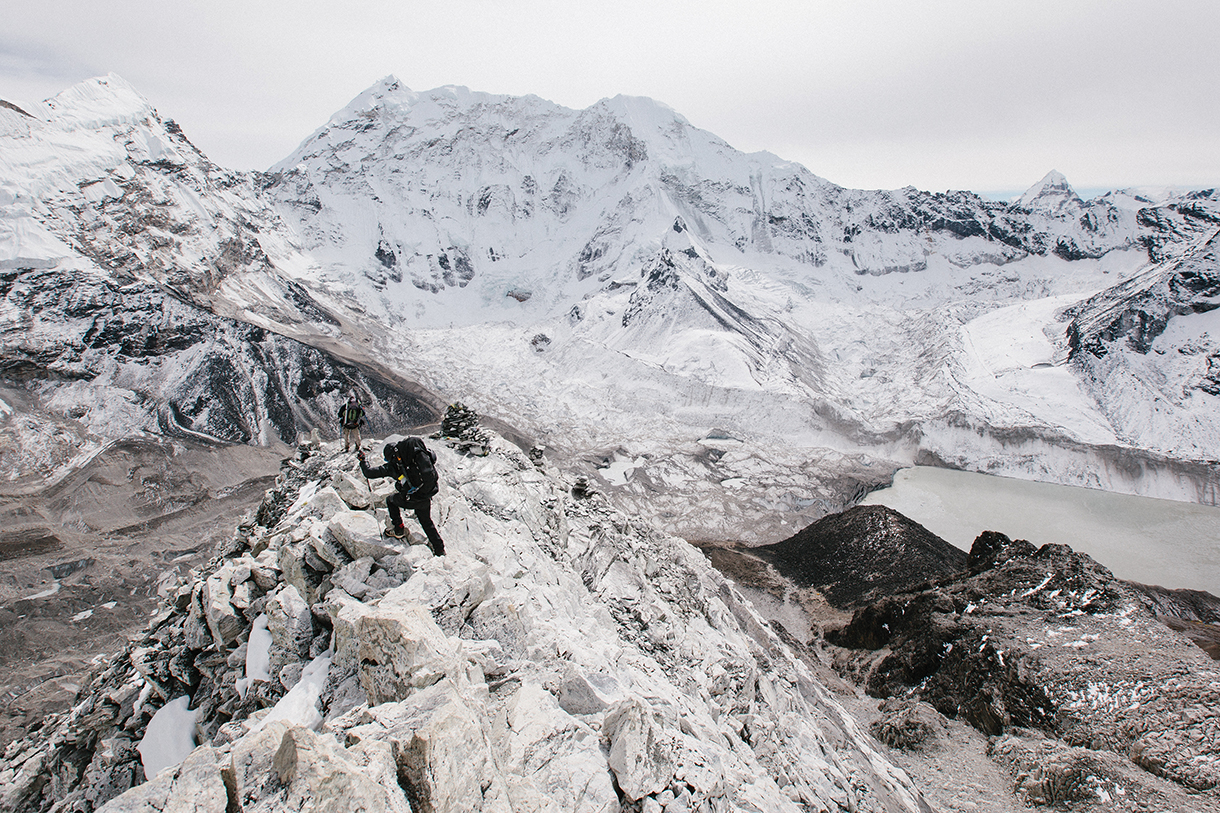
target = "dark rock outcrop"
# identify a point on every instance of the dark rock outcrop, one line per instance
(863, 554)
(189, 372)
(1050, 640)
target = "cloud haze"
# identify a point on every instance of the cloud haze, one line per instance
(937, 94)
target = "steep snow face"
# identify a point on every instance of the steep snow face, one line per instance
(96, 179)
(457, 206)
(1147, 351)
(1052, 195)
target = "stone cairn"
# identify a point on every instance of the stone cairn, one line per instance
(460, 429)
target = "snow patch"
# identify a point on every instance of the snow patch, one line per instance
(169, 738)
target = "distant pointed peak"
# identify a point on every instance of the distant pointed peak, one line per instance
(98, 101)
(1052, 192)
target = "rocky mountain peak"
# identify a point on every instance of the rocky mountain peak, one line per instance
(1051, 194)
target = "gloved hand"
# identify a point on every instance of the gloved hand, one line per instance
(360, 455)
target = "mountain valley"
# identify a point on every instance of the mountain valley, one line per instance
(674, 343)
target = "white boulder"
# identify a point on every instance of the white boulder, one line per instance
(361, 535)
(401, 649)
(642, 751)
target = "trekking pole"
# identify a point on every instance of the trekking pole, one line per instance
(372, 496)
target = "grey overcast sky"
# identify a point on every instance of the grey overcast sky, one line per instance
(939, 94)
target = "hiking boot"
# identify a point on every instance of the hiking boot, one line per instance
(396, 532)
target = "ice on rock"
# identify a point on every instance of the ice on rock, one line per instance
(300, 706)
(258, 655)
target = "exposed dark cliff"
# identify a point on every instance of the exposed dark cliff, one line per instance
(863, 554)
(187, 371)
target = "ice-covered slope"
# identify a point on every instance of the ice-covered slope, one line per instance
(440, 200)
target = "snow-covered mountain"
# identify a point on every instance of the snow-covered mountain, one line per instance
(727, 342)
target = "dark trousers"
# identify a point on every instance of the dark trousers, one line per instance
(422, 506)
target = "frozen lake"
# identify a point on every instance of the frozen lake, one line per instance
(1173, 544)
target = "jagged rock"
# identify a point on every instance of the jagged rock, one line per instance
(224, 621)
(361, 535)
(265, 571)
(642, 751)
(1050, 772)
(451, 591)
(290, 622)
(402, 649)
(353, 578)
(862, 554)
(250, 774)
(291, 560)
(581, 692)
(318, 774)
(323, 504)
(354, 491)
(908, 724)
(243, 596)
(557, 753)
(115, 768)
(344, 612)
(439, 746)
(991, 549)
(1050, 641)
(194, 786)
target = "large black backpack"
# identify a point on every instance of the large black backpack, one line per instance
(418, 463)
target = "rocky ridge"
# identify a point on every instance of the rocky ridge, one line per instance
(863, 554)
(1089, 700)
(560, 657)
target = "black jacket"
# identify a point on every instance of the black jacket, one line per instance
(402, 479)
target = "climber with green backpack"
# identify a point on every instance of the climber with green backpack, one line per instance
(412, 465)
(351, 418)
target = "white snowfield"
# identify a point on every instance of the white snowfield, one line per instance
(621, 285)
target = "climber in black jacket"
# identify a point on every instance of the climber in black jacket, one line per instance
(412, 466)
